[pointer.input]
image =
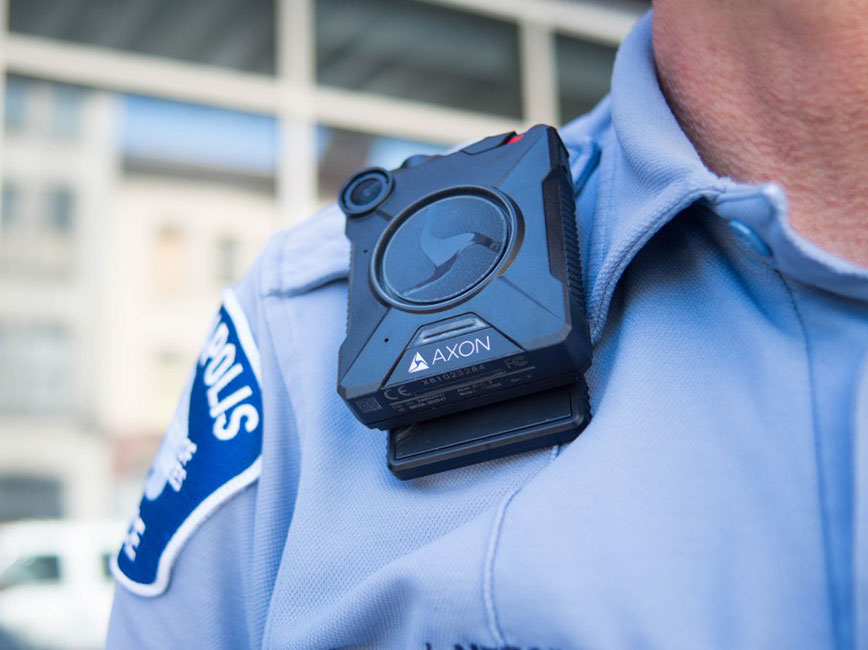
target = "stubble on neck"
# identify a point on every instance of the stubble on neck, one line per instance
(777, 90)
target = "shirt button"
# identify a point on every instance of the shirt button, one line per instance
(748, 237)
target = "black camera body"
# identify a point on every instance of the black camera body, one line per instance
(465, 292)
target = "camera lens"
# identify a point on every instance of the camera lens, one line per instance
(445, 248)
(365, 191)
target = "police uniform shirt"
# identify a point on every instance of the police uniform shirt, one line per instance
(718, 498)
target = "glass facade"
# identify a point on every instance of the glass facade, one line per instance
(421, 52)
(236, 34)
(35, 368)
(584, 69)
(16, 103)
(66, 110)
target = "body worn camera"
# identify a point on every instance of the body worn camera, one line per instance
(466, 332)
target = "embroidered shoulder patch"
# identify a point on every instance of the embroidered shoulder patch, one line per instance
(210, 452)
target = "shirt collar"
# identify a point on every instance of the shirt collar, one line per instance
(649, 172)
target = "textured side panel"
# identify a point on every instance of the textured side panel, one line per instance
(563, 239)
(571, 246)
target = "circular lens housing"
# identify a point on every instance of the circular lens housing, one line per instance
(365, 191)
(443, 248)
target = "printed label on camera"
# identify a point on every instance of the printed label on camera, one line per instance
(451, 354)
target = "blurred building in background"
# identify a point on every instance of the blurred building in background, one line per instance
(149, 149)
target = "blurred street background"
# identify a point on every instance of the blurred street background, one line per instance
(149, 148)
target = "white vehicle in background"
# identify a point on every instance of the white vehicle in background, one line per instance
(55, 585)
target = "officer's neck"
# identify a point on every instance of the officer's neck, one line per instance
(777, 90)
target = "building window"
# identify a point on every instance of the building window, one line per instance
(584, 73)
(236, 34)
(170, 268)
(38, 243)
(14, 235)
(35, 368)
(66, 110)
(157, 133)
(53, 245)
(11, 206)
(227, 260)
(59, 210)
(18, 92)
(419, 51)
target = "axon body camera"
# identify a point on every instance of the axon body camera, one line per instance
(466, 333)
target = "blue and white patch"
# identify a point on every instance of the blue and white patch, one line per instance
(210, 452)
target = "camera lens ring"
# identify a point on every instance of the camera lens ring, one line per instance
(365, 191)
(509, 245)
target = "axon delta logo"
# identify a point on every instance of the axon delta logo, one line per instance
(446, 353)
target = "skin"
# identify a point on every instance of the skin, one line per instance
(777, 90)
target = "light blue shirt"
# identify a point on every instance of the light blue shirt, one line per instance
(718, 498)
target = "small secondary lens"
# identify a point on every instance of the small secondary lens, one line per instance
(366, 191)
